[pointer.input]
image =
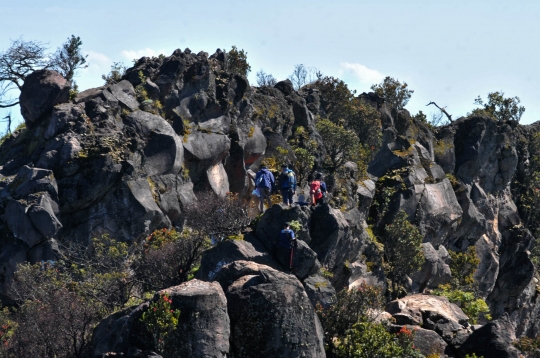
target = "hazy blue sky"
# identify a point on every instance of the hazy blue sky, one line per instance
(447, 51)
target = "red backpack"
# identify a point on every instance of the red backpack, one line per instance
(315, 189)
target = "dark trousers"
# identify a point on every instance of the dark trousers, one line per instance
(287, 196)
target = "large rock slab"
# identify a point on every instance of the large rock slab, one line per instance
(271, 315)
(41, 91)
(202, 331)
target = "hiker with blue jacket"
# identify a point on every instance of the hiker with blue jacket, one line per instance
(287, 183)
(286, 245)
(265, 183)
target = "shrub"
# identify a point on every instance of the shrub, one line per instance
(341, 144)
(368, 339)
(499, 107)
(396, 94)
(402, 250)
(351, 330)
(237, 62)
(160, 320)
(168, 258)
(475, 308)
(118, 70)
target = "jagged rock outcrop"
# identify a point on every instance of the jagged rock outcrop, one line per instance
(128, 158)
(270, 313)
(436, 314)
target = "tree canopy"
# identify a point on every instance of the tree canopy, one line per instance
(397, 94)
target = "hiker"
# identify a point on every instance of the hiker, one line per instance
(287, 183)
(317, 190)
(286, 245)
(265, 182)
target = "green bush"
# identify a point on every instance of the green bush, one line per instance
(368, 339)
(160, 320)
(396, 94)
(475, 308)
(237, 62)
(402, 251)
(499, 107)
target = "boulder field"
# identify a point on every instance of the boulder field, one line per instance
(126, 159)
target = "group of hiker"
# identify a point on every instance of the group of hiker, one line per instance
(265, 184)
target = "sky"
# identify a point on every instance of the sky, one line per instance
(449, 52)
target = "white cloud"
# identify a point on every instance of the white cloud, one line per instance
(365, 75)
(98, 63)
(148, 52)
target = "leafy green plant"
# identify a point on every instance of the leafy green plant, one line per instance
(463, 265)
(341, 144)
(499, 107)
(396, 94)
(368, 339)
(295, 225)
(160, 320)
(475, 308)
(237, 62)
(402, 250)
(118, 70)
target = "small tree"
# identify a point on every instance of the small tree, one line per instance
(237, 62)
(501, 108)
(402, 250)
(265, 79)
(298, 77)
(68, 58)
(17, 62)
(341, 144)
(118, 70)
(303, 164)
(396, 93)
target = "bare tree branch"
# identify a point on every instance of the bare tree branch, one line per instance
(443, 110)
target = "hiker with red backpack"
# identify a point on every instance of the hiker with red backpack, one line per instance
(317, 190)
(287, 182)
(286, 245)
(265, 183)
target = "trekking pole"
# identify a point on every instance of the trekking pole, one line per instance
(290, 262)
(293, 244)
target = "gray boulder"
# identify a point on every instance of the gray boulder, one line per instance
(492, 340)
(202, 331)
(435, 270)
(271, 315)
(41, 91)
(319, 290)
(229, 251)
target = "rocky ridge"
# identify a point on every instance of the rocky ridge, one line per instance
(109, 162)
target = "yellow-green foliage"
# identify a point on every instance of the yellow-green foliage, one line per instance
(442, 146)
(160, 237)
(475, 308)
(296, 226)
(153, 189)
(251, 131)
(326, 274)
(463, 265)
(461, 290)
